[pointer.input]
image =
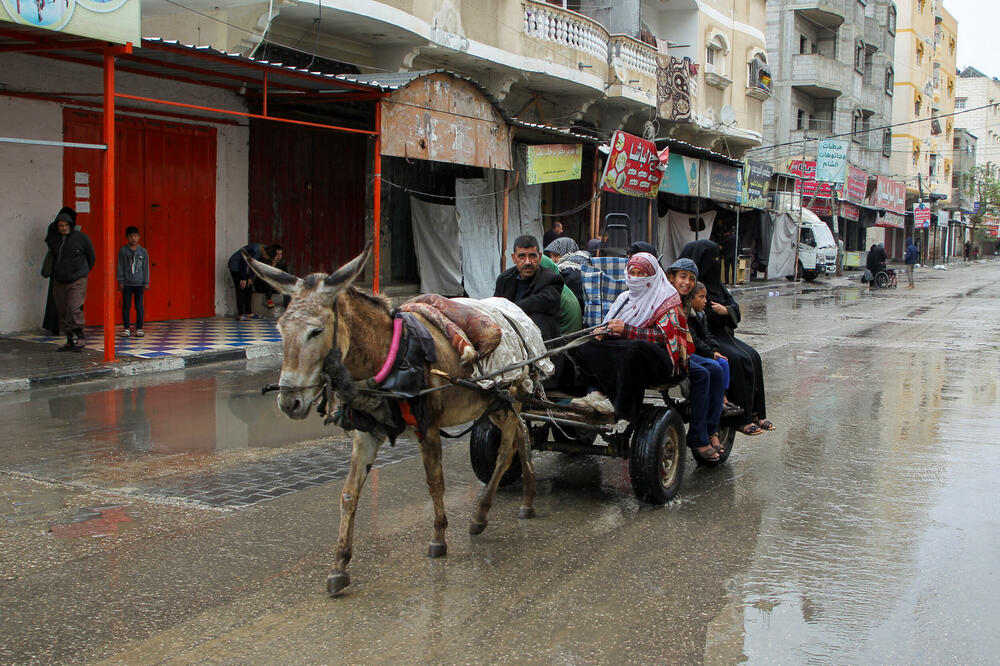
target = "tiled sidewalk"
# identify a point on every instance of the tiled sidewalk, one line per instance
(184, 337)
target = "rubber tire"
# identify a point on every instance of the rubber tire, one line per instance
(882, 280)
(727, 435)
(484, 444)
(809, 276)
(658, 427)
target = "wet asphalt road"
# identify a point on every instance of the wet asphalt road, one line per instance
(181, 518)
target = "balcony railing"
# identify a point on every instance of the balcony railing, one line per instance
(633, 55)
(560, 26)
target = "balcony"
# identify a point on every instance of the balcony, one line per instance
(547, 23)
(817, 75)
(633, 66)
(826, 13)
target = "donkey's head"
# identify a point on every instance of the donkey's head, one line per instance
(309, 328)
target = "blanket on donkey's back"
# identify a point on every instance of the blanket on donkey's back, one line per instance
(519, 341)
(472, 333)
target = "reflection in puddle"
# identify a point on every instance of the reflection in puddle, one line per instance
(97, 522)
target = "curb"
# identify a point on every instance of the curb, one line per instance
(138, 366)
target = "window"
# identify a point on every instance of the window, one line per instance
(803, 45)
(859, 57)
(932, 165)
(916, 105)
(892, 19)
(951, 88)
(887, 142)
(920, 53)
(890, 80)
(715, 55)
(858, 127)
(916, 153)
(951, 45)
(800, 120)
(760, 73)
(960, 102)
(920, 5)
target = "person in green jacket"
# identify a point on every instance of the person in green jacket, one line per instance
(570, 314)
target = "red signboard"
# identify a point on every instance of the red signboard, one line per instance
(857, 184)
(890, 195)
(921, 216)
(849, 211)
(634, 166)
(821, 207)
(808, 185)
(891, 221)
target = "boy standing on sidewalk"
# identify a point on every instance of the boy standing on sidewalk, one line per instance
(133, 279)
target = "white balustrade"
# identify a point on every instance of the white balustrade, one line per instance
(634, 55)
(567, 28)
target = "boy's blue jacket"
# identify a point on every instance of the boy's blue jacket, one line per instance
(912, 253)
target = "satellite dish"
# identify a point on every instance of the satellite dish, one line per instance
(727, 114)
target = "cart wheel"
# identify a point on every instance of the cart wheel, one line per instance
(484, 444)
(882, 280)
(727, 435)
(657, 462)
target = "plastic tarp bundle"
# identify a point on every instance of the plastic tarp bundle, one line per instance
(677, 229)
(516, 345)
(781, 258)
(439, 256)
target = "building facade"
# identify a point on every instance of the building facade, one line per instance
(925, 90)
(975, 93)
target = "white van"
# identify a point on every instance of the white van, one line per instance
(817, 247)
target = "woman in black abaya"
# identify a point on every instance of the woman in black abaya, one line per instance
(746, 386)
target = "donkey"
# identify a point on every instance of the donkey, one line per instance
(326, 311)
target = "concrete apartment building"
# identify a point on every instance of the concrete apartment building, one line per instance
(976, 90)
(834, 72)
(926, 47)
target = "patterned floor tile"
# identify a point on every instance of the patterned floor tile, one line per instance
(179, 337)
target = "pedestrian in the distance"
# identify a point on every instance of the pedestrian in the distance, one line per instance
(239, 270)
(968, 249)
(74, 258)
(910, 259)
(555, 232)
(133, 281)
(50, 322)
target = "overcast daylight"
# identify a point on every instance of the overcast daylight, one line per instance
(977, 23)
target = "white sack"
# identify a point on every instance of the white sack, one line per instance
(511, 349)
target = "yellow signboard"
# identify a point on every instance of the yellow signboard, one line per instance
(553, 162)
(107, 20)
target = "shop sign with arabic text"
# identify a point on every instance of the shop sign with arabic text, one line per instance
(634, 167)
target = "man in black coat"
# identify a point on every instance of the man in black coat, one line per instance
(534, 289)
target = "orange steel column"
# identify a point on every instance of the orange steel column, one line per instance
(377, 212)
(108, 242)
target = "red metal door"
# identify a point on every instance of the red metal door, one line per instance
(165, 187)
(307, 192)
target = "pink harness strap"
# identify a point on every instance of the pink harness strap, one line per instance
(397, 333)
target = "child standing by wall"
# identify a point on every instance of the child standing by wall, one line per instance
(133, 280)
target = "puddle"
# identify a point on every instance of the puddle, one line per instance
(99, 521)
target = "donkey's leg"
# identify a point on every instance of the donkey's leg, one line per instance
(430, 452)
(362, 456)
(505, 455)
(527, 471)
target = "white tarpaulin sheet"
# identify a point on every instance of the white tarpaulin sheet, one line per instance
(439, 257)
(781, 258)
(511, 349)
(676, 229)
(480, 225)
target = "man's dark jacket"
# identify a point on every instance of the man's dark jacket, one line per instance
(542, 300)
(74, 256)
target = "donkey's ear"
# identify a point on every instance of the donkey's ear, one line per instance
(277, 278)
(348, 273)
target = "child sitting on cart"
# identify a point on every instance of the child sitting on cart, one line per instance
(647, 344)
(707, 386)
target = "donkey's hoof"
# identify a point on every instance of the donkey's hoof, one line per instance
(476, 527)
(337, 581)
(526, 512)
(437, 549)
